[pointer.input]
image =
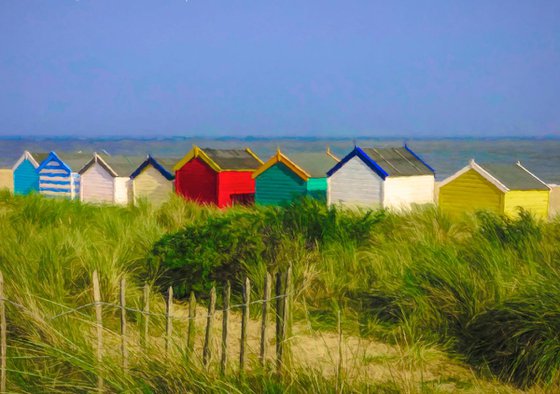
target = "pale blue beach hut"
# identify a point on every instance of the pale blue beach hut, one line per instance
(26, 178)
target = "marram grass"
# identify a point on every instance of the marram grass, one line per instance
(482, 289)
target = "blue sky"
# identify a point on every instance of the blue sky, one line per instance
(271, 68)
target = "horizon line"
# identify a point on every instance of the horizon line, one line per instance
(280, 137)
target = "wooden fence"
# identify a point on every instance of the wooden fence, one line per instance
(282, 299)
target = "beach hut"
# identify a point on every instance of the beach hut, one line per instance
(58, 175)
(283, 178)
(153, 179)
(217, 176)
(393, 178)
(498, 188)
(24, 172)
(106, 179)
(6, 179)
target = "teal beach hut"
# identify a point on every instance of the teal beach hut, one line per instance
(283, 178)
(26, 178)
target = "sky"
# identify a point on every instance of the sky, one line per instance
(269, 68)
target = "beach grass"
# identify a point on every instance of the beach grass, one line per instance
(428, 302)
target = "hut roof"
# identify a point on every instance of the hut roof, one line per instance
(398, 161)
(505, 177)
(120, 166)
(514, 176)
(39, 156)
(167, 162)
(34, 157)
(232, 159)
(393, 162)
(223, 159)
(316, 164)
(304, 164)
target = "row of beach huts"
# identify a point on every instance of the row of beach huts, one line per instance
(392, 178)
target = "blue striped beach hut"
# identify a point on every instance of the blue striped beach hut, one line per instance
(24, 172)
(58, 176)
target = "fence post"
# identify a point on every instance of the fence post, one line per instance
(3, 344)
(225, 317)
(265, 309)
(279, 323)
(168, 321)
(244, 323)
(124, 349)
(99, 325)
(192, 322)
(146, 315)
(287, 331)
(206, 354)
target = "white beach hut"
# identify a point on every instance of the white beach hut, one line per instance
(393, 178)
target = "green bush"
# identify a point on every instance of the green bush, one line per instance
(200, 256)
(203, 255)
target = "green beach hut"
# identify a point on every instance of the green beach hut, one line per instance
(283, 178)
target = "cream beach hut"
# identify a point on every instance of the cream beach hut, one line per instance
(153, 179)
(393, 178)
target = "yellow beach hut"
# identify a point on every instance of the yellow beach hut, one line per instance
(153, 179)
(6, 179)
(498, 188)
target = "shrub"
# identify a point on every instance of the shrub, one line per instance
(204, 254)
(199, 256)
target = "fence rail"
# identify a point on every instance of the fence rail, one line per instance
(282, 299)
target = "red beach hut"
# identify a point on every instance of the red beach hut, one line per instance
(217, 176)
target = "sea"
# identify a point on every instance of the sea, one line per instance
(447, 155)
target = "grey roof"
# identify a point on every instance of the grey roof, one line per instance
(513, 176)
(398, 161)
(39, 156)
(122, 165)
(316, 164)
(11, 161)
(167, 162)
(232, 159)
(73, 160)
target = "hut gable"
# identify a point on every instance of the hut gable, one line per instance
(153, 179)
(163, 165)
(217, 176)
(97, 183)
(397, 178)
(197, 181)
(356, 183)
